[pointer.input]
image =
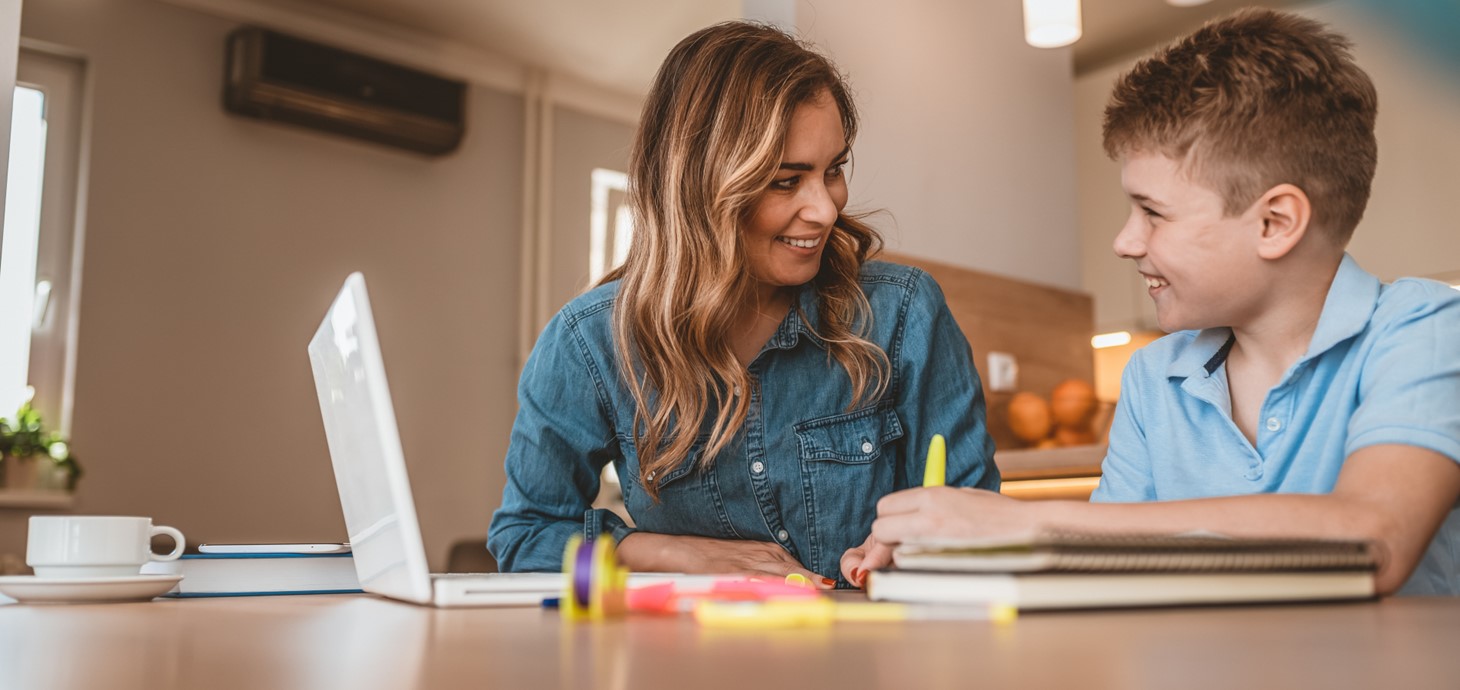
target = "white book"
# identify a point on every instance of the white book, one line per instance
(1054, 590)
(254, 574)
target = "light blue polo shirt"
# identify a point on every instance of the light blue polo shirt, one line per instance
(1383, 367)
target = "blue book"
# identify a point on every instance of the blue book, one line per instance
(258, 574)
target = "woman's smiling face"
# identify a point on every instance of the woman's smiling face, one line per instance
(789, 224)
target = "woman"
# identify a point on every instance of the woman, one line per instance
(756, 383)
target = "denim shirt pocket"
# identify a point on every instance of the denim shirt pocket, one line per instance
(848, 461)
(689, 498)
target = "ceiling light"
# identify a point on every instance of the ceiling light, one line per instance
(1051, 23)
(1115, 339)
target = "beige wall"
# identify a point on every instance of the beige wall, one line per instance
(1120, 300)
(1409, 228)
(214, 245)
(966, 132)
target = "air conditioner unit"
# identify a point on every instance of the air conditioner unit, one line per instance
(276, 77)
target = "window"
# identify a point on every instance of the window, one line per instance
(18, 286)
(40, 255)
(611, 225)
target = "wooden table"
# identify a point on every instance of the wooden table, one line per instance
(365, 642)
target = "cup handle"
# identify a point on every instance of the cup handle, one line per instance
(178, 543)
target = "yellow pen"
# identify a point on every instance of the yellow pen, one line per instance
(936, 470)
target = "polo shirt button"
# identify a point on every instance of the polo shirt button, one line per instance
(757, 467)
(783, 535)
(866, 446)
(1273, 424)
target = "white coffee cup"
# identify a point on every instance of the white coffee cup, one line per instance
(70, 546)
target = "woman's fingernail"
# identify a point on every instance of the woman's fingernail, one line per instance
(828, 581)
(857, 576)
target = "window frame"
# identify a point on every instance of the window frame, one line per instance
(64, 77)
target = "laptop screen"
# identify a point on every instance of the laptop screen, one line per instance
(364, 444)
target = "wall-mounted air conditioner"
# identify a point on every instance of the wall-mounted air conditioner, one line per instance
(276, 77)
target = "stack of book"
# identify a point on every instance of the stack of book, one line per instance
(258, 574)
(1073, 570)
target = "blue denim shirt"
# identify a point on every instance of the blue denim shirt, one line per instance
(803, 471)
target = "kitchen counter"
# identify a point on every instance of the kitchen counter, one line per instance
(1069, 473)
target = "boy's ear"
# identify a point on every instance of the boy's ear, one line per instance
(1284, 211)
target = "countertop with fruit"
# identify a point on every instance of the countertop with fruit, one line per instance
(1063, 441)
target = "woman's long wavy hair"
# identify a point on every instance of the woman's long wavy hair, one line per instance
(709, 144)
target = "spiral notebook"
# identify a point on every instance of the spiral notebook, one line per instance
(1066, 570)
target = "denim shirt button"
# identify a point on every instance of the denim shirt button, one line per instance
(757, 467)
(783, 535)
(1273, 424)
(866, 446)
(737, 391)
(651, 476)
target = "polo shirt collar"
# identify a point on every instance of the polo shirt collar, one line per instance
(1203, 354)
(1350, 303)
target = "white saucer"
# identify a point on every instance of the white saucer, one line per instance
(29, 589)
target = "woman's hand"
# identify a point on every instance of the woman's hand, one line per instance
(860, 560)
(649, 552)
(946, 513)
(936, 512)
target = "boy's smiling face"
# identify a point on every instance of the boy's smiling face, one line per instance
(1200, 265)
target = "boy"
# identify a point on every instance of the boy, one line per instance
(1297, 395)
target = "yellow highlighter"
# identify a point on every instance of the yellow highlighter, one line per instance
(820, 612)
(936, 470)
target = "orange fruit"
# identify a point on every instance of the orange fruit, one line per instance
(1073, 403)
(1029, 417)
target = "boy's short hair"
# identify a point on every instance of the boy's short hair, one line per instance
(1256, 99)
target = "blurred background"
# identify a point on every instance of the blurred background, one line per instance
(166, 259)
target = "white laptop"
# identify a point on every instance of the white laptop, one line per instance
(370, 470)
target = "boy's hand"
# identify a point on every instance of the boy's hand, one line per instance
(947, 513)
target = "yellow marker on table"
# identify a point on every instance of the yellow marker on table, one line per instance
(936, 470)
(820, 612)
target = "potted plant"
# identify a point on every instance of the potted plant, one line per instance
(30, 455)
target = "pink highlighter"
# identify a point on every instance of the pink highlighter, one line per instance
(665, 598)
